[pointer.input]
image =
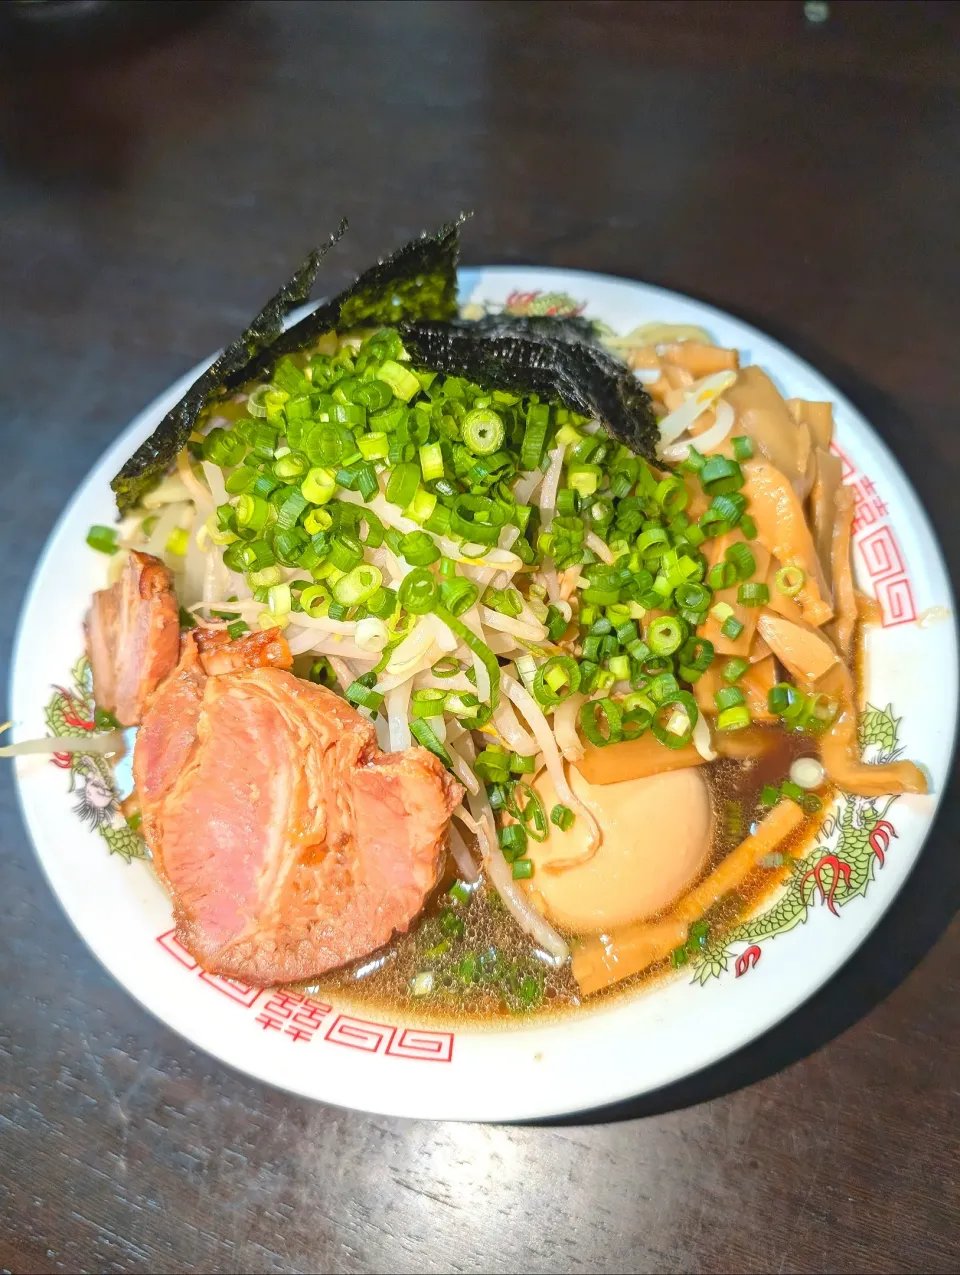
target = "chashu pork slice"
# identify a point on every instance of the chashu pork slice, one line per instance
(133, 637)
(290, 843)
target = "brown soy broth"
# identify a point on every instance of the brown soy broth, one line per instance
(383, 982)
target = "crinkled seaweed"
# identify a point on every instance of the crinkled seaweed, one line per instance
(155, 456)
(572, 329)
(583, 377)
(417, 282)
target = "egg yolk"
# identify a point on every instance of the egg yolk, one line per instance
(656, 837)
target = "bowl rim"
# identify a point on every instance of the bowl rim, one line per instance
(530, 1109)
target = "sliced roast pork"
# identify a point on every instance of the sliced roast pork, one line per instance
(290, 843)
(133, 637)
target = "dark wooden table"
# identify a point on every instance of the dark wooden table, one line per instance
(805, 176)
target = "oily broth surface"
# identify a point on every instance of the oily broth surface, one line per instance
(382, 982)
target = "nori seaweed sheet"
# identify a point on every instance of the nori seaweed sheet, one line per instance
(155, 456)
(574, 328)
(523, 358)
(417, 282)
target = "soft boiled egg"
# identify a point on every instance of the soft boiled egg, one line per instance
(656, 837)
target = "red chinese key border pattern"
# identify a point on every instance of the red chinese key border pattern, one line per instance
(879, 548)
(299, 1017)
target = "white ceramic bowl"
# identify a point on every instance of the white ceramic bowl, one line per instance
(532, 1069)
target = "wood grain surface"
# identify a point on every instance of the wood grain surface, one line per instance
(152, 191)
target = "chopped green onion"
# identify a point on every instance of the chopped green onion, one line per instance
(346, 552)
(697, 654)
(290, 466)
(317, 520)
(731, 628)
(584, 479)
(251, 555)
(522, 869)
(753, 594)
(556, 680)
(382, 603)
(400, 379)
(279, 600)
(692, 597)
(590, 714)
(103, 539)
(653, 541)
(358, 585)
(721, 576)
(694, 462)
(464, 704)
(742, 559)
(525, 805)
(375, 446)
(419, 592)
(675, 719)
(361, 694)
(534, 435)
(785, 700)
(734, 718)
(482, 431)
(672, 495)
(493, 765)
(513, 841)
(178, 541)
(507, 601)
(431, 462)
(619, 666)
(791, 790)
(458, 595)
(522, 765)
(446, 666)
(477, 519)
(428, 702)
(328, 444)
(402, 485)
(424, 734)
(319, 485)
(769, 795)
(789, 580)
(314, 600)
(728, 697)
(422, 506)
(290, 509)
(223, 448)
(734, 669)
(720, 475)
(267, 620)
(820, 710)
(662, 687)
(419, 549)
(666, 634)
(742, 447)
(563, 817)
(478, 648)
